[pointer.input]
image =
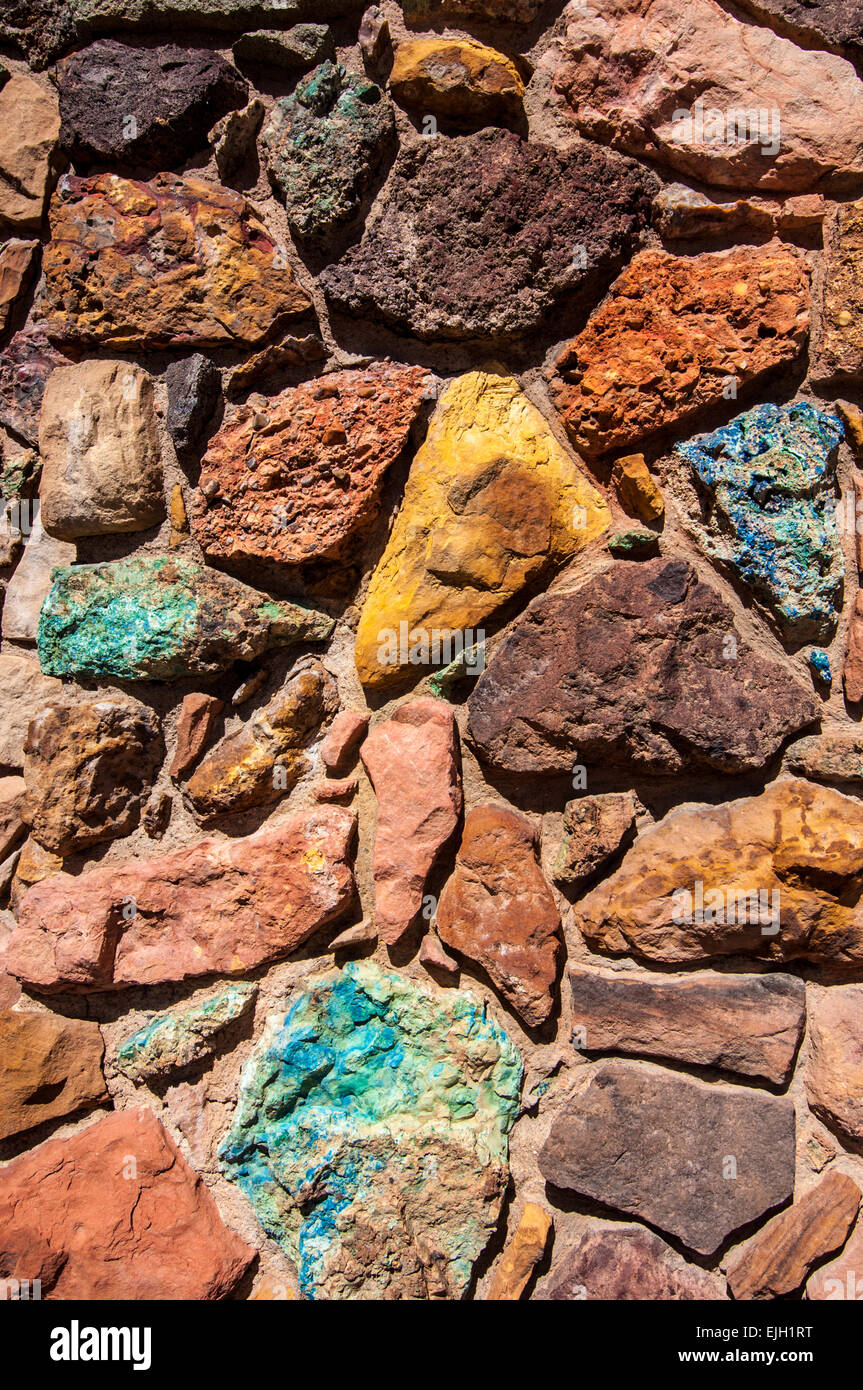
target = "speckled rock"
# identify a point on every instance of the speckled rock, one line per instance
(773, 876)
(89, 768)
(107, 1228)
(324, 145)
(776, 1262)
(833, 756)
(622, 1262)
(595, 828)
(672, 335)
(143, 109)
(516, 506)
(17, 262)
(214, 907)
(834, 1065)
(184, 1035)
(52, 1067)
(394, 1105)
(100, 450)
(522, 1255)
(29, 127)
(661, 80)
(23, 689)
(169, 263)
(261, 762)
(656, 1144)
(221, 16)
(413, 762)
(747, 1024)
(641, 666)
(480, 236)
(26, 363)
(194, 388)
(37, 29)
(840, 346)
(498, 910)
(198, 714)
(293, 49)
(159, 618)
(766, 511)
(682, 214)
(457, 79)
(301, 478)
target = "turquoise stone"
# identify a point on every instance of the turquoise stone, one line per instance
(183, 1035)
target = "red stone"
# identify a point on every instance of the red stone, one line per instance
(345, 734)
(198, 713)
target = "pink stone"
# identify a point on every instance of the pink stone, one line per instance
(340, 745)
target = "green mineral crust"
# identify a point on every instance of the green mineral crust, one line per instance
(161, 618)
(180, 1036)
(371, 1135)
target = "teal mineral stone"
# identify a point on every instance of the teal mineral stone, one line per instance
(324, 146)
(183, 1035)
(767, 485)
(161, 618)
(371, 1135)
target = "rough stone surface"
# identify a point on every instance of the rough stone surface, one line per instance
(29, 586)
(852, 671)
(324, 146)
(498, 910)
(413, 762)
(374, 37)
(834, 1064)
(840, 347)
(595, 828)
(623, 68)
(682, 214)
(480, 236)
(833, 756)
(100, 451)
(232, 139)
(840, 1280)
(215, 907)
(776, 1262)
(89, 768)
(293, 49)
(143, 109)
(639, 492)
(394, 1106)
(194, 388)
(52, 1066)
(184, 1035)
(23, 689)
(826, 23)
(747, 1024)
(492, 502)
(169, 263)
(652, 1143)
(522, 1254)
(486, 11)
(623, 1262)
(766, 512)
(198, 714)
(159, 618)
(301, 479)
(774, 876)
(458, 79)
(99, 1233)
(633, 668)
(346, 733)
(29, 127)
(38, 29)
(16, 269)
(26, 363)
(263, 760)
(12, 828)
(221, 16)
(672, 334)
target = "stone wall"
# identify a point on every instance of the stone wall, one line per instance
(431, 649)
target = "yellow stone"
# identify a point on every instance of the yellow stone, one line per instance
(639, 493)
(492, 502)
(456, 77)
(522, 1255)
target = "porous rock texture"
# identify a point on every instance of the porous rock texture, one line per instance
(431, 465)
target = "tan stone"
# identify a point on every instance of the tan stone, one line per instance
(456, 78)
(16, 264)
(522, 1254)
(841, 1279)
(12, 827)
(833, 1074)
(23, 689)
(639, 493)
(35, 863)
(51, 1066)
(29, 129)
(28, 588)
(840, 347)
(775, 1263)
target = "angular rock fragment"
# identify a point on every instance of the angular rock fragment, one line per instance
(374, 37)
(479, 237)
(672, 335)
(186, 1034)
(747, 1024)
(498, 910)
(16, 268)
(840, 1279)
(324, 146)
(221, 16)
(852, 671)
(594, 830)
(26, 363)
(515, 506)
(13, 791)
(831, 24)
(699, 1161)
(681, 214)
(100, 451)
(715, 98)
(23, 689)
(457, 79)
(292, 49)
(346, 733)
(834, 1065)
(51, 1067)
(215, 907)
(30, 584)
(172, 263)
(89, 768)
(639, 493)
(642, 666)
(775, 876)
(413, 762)
(232, 139)
(436, 960)
(622, 1262)
(522, 1254)
(198, 714)
(777, 1260)
(392, 1106)
(766, 511)
(29, 127)
(194, 388)
(143, 109)
(301, 478)
(263, 760)
(40, 30)
(159, 618)
(105, 1228)
(833, 756)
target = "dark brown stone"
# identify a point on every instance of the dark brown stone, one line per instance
(621, 1263)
